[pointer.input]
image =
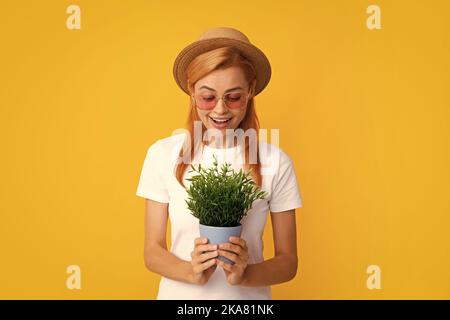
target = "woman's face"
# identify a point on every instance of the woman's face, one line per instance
(217, 83)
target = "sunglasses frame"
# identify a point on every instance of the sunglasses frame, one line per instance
(221, 98)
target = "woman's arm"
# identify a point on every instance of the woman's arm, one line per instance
(156, 256)
(159, 260)
(283, 266)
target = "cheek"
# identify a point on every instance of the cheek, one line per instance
(203, 118)
(238, 117)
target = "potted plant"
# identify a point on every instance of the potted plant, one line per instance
(220, 199)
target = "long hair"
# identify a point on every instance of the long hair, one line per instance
(203, 64)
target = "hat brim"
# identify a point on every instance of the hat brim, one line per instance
(249, 51)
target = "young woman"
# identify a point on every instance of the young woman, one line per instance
(222, 72)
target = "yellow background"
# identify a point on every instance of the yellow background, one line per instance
(364, 114)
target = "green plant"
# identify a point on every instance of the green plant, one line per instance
(221, 198)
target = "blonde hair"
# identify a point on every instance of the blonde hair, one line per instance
(203, 64)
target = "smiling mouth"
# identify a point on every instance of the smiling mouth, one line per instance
(220, 121)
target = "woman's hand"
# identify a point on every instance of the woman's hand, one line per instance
(239, 255)
(203, 260)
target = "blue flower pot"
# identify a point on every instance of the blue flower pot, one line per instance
(219, 235)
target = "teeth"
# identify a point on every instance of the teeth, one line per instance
(221, 121)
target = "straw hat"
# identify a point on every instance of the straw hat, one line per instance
(221, 37)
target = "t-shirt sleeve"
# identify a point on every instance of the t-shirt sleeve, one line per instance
(285, 190)
(151, 183)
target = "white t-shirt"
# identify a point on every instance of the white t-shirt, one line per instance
(158, 182)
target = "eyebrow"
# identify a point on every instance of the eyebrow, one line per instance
(206, 87)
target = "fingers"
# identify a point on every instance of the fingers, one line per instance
(239, 241)
(237, 246)
(199, 268)
(203, 249)
(226, 266)
(201, 246)
(229, 255)
(203, 255)
(206, 256)
(200, 240)
(231, 247)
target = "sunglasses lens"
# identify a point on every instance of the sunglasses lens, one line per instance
(234, 100)
(206, 101)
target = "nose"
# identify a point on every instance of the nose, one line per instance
(220, 107)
